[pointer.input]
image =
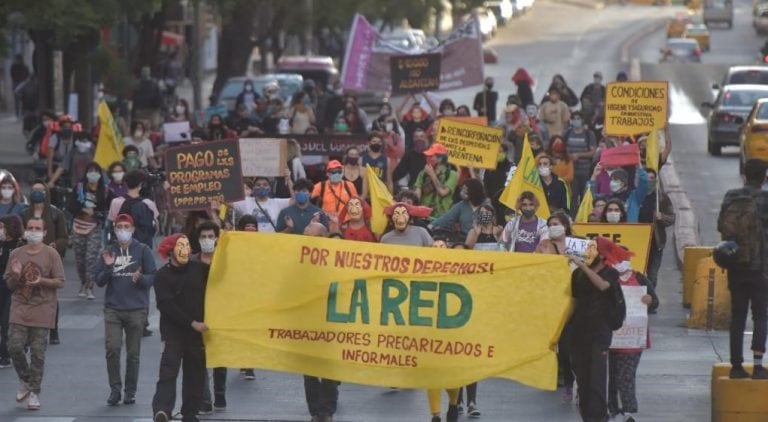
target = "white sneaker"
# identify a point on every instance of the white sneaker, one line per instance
(628, 417)
(89, 294)
(23, 392)
(33, 403)
(81, 294)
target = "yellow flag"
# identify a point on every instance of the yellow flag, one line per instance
(652, 151)
(585, 209)
(385, 315)
(381, 198)
(109, 147)
(526, 178)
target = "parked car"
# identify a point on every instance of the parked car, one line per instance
(289, 84)
(503, 9)
(521, 7)
(320, 69)
(760, 20)
(700, 33)
(720, 11)
(681, 50)
(728, 113)
(754, 134)
(755, 75)
(487, 22)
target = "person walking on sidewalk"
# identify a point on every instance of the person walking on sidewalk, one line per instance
(744, 218)
(34, 273)
(180, 292)
(10, 238)
(127, 269)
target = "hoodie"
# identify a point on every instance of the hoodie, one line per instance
(180, 294)
(122, 293)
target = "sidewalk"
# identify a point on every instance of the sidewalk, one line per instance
(13, 156)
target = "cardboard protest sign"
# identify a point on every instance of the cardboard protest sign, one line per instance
(635, 107)
(327, 144)
(635, 237)
(203, 173)
(469, 145)
(620, 156)
(414, 73)
(475, 120)
(576, 246)
(387, 315)
(263, 156)
(634, 333)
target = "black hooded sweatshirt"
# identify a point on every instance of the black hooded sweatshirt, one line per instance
(180, 294)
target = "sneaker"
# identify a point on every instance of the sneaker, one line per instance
(473, 411)
(568, 395)
(81, 294)
(54, 337)
(147, 333)
(759, 373)
(33, 402)
(23, 392)
(114, 398)
(453, 413)
(250, 375)
(5, 363)
(130, 398)
(205, 409)
(89, 294)
(738, 372)
(161, 416)
(436, 418)
(219, 402)
(628, 417)
(461, 409)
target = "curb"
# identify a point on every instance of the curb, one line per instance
(686, 228)
(586, 4)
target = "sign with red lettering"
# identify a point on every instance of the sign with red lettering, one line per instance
(203, 173)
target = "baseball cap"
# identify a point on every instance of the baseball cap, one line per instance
(333, 164)
(124, 218)
(436, 149)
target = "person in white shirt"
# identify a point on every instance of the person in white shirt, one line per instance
(140, 140)
(259, 203)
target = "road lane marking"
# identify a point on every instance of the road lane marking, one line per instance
(684, 111)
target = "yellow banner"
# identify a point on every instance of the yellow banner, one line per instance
(385, 315)
(381, 198)
(526, 178)
(109, 145)
(635, 107)
(635, 237)
(469, 145)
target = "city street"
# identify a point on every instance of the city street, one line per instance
(575, 41)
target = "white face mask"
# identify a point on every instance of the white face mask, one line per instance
(93, 177)
(180, 110)
(118, 176)
(207, 245)
(545, 171)
(138, 134)
(7, 193)
(622, 267)
(613, 216)
(616, 186)
(556, 232)
(83, 146)
(124, 236)
(33, 238)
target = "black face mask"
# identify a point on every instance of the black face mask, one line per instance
(375, 147)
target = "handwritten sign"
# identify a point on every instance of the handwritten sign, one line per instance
(263, 156)
(415, 73)
(470, 145)
(634, 333)
(635, 107)
(203, 173)
(576, 246)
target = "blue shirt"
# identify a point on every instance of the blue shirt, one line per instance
(301, 218)
(379, 165)
(12, 208)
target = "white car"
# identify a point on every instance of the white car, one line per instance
(503, 9)
(522, 6)
(487, 21)
(760, 20)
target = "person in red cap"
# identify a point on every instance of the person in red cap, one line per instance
(335, 192)
(436, 183)
(180, 292)
(592, 285)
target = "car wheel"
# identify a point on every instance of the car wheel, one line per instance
(714, 149)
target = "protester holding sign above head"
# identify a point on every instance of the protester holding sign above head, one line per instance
(437, 181)
(597, 312)
(414, 119)
(524, 231)
(332, 194)
(294, 218)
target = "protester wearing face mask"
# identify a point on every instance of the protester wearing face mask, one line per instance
(34, 274)
(464, 213)
(387, 121)
(333, 193)
(217, 130)
(413, 161)
(248, 97)
(525, 230)
(11, 232)
(485, 234)
(555, 189)
(631, 198)
(54, 221)
(89, 206)
(375, 158)
(581, 145)
(181, 112)
(562, 164)
(61, 147)
(131, 159)
(116, 187)
(558, 228)
(140, 139)
(657, 210)
(436, 182)
(10, 197)
(485, 102)
(614, 212)
(352, 171)
(266, 208)
(623, 363)
(127, 268)
(416, 118)
(295, 218)
(72, 168)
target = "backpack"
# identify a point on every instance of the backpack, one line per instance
(617, 307)
(739, 221)
(143, 219)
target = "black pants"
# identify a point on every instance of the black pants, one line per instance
(5, 311)
(189, 355)
(564, 356)
(747, 288)
(471, 394)
(590, 365)
(219, 385)
(322, 395)
(654, 263)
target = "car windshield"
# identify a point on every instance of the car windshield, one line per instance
(743, 98)
(682, 47)
(762, 112)
(749, 77)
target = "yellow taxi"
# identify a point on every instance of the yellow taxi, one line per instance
(676, 26)
(698, 32)
(754, 133)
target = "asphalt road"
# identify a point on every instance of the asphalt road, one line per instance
(673, 383)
